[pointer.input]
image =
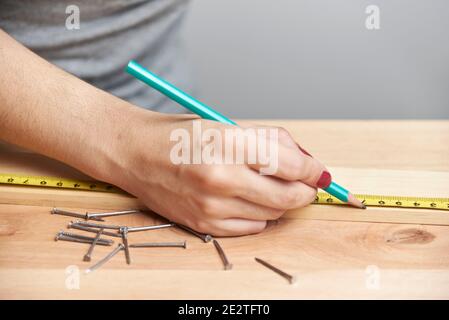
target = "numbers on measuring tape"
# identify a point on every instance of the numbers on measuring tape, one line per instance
(321, 197)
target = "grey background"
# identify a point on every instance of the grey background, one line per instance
(316, 59)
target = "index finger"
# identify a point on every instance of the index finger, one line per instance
(292, 165)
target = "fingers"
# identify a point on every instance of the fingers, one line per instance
(235, 227)
(214, 207)
(236, 199)
(248, 184)
(295, 165)
(292, 164)
(272, 192)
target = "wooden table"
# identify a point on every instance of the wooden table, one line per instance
(331, 259)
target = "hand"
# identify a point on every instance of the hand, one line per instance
(52, 112)
(219, 199)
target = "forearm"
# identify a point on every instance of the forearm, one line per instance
(49, 111)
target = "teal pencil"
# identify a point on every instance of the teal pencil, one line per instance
(207, 112)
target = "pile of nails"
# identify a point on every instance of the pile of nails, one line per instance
(117, 231)
(122, 232)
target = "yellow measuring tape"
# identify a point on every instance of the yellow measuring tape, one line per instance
(322, 198)
(53, 182)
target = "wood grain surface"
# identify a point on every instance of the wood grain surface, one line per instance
(331, 259)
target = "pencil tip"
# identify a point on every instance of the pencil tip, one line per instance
(355, 202)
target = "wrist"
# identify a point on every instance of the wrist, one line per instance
(103, 154)
(121, 146)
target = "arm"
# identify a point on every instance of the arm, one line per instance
(49, 111)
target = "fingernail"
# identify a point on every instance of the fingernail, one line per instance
(304, 151)
(325, 180)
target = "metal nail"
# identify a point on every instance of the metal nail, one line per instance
(124, 232)
(146, 228)
(75, 225)
(71, 239)
(79, 236)
(79, 240)
(159, 245)
(71, 214)
(105, 259)
(93, 215)
(204, 237)
(97, 225)
(290, 278)
(226, 264)
(75, 235)
(88, 255)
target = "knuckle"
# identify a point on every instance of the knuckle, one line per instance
(289, 198)
(212, 177)
(208, 206)
(293, 167)
(298, 196)
(313, 166)
(215, 177)
(215, 173)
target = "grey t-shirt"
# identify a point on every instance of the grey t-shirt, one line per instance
(111, 32)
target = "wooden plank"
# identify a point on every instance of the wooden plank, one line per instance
(377, 144)
(36, 196)
(330, 259)
(238, 284)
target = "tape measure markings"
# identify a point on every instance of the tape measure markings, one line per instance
(389, 201)
(321, 198)
(54, 182)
